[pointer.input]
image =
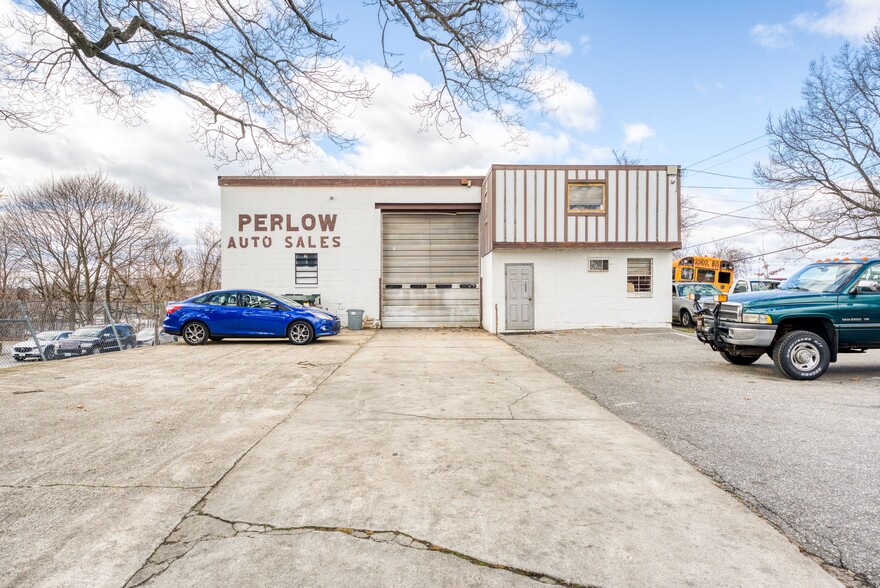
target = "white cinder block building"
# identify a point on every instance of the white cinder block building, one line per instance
(523, 248)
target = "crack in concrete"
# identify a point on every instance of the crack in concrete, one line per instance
(102, 486)
(512, 404)
(515, 384)
(148, 569)
(478, 419)
(200, 526)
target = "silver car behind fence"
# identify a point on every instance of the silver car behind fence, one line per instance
(32, 331)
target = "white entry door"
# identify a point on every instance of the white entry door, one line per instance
(519, 296)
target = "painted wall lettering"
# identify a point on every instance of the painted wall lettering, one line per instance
(286, 223)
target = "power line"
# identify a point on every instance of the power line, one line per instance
(728, 237)
(738, 156)
(701, 171)
(701, 198)
(729, 188)
(758, 138)
(730, 214)
(794, 247)
(724, 214)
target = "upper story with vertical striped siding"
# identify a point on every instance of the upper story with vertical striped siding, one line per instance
(580, 206)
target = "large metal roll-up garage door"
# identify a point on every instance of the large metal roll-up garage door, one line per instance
(430, 270)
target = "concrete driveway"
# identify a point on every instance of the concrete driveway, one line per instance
(417, 458)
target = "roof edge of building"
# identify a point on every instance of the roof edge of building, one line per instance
(349, 181)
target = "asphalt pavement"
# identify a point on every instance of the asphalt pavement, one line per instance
(806, 455)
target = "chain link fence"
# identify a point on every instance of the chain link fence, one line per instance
(36, 331)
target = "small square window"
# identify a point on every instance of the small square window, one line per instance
(598, 265)
(306, 269)
(638, 275)
(586, 198)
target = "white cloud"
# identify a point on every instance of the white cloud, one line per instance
(847, 18)
(704, 88)
(558, 47)
(158, 155)
(584, 42)
(575, 106)
(775, 36)
(637, 133)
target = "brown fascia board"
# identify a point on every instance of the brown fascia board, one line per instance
(590, 245)
(550, 167)
(350, 181)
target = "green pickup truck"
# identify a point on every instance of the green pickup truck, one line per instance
(825, 309)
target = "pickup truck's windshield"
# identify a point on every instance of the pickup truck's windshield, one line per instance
(826, 277)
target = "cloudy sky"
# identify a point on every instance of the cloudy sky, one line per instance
(667, 82)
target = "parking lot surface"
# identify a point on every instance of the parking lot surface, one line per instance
(412, 458)
(803, 454)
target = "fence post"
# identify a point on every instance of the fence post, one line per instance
(113, 326)
(30, 327)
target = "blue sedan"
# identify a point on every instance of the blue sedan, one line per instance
(246, 313)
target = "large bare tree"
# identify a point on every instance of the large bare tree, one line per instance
(70, 232)
(10, 262)
(203, 271)
(150, 273)
(267, 78)
(824, 167)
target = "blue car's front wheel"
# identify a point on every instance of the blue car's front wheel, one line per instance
(195, 333)
(300, 333)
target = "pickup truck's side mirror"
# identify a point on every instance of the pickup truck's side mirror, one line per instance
(694, 296)
(865, 286)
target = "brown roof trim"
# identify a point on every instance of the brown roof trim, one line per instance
(597, 245)
(507, 166)
(350, 181)
(428, 207)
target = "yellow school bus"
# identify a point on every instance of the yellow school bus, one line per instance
(706, 270)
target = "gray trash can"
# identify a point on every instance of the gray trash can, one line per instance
(355, 319)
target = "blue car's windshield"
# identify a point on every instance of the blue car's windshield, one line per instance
(826, 277)
(283, 298)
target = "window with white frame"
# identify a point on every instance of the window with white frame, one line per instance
(306, 269)
(638, 275)
(598, 265)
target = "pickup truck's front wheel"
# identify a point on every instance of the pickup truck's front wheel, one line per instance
(802, 355)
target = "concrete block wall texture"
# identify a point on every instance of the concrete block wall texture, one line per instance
(569, 296)
(348, 275)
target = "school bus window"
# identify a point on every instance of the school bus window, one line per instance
(706, 276)
(687, 274)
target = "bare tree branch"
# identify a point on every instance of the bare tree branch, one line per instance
(824, 157)
(72, 235)
(267, 79)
